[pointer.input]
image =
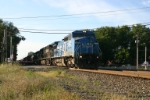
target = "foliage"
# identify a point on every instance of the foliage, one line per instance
(122, 56)
(11, 31)
(118, 43)
(107, 39)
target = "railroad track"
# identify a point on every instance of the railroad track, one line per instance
(138, 74)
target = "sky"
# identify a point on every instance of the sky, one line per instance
(65, 16)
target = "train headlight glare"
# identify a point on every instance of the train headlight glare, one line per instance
(80, 56)
(84, 31)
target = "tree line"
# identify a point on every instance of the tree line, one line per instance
(11, 31)
(118, 43)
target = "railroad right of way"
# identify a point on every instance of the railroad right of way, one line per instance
(95, 85)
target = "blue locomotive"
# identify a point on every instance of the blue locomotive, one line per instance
(80, 49)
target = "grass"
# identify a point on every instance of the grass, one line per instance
(19, 84)
(83, 84)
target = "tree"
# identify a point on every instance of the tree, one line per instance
(107, 40)
(118, 43)
(143, 34)
(11, 31)
(122, 56)
(123, 44)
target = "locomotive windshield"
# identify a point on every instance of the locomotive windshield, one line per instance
(83, 34)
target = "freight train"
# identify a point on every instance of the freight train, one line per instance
(79, 49)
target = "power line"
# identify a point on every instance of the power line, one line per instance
(46, 29)
(43, 32)
(81, 23)
(31, 30)
(145, 23)
(77, 14)
(64, 31)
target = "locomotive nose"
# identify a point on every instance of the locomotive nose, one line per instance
(86, 46)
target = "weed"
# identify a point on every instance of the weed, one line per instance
(69, 76)
(96, 83)
(19, 84)
(59, 71)
(29, 72)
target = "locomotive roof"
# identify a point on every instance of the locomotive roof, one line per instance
(54, 43)
(79, 33)
(82, 33)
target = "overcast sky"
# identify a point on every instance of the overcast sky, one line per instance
(64, 16)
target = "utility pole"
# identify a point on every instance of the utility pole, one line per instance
(6, 44)
(10, 46)
(145, 58)
(3, 49)
(12, 53)
(137, 51)
(11, 50)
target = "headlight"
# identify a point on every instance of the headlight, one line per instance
(80, 56)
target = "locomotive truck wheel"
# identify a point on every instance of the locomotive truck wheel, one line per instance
(53, 62)
(96, 66)
(76, 66)
(83, 65)
(68, 64)
(50, 62)
(47, 62)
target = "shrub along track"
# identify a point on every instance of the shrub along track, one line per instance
(104, 84)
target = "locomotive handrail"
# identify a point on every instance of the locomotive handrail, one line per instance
(100, 52)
